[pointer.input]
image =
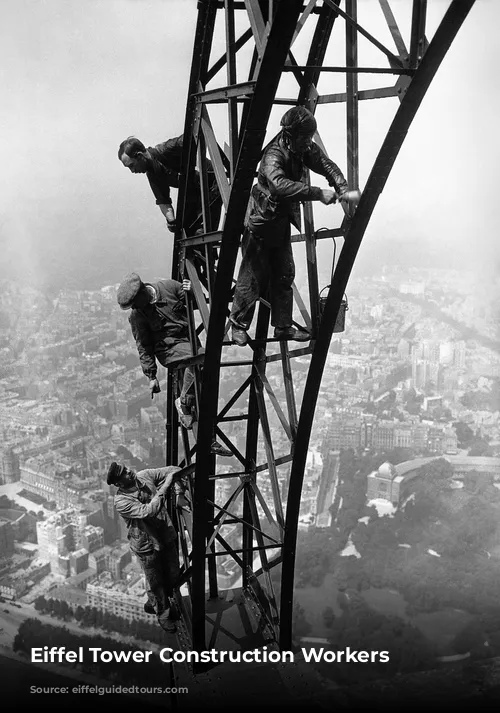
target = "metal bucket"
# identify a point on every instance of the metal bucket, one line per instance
(344, 306)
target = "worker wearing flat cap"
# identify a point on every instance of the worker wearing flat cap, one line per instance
(275, 205)
(159, 323)
(140, 500)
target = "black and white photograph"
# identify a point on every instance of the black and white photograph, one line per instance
(249, 355)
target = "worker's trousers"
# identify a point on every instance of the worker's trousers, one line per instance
(267, 267)
(161, 570)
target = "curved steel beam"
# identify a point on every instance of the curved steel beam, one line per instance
(450, 25)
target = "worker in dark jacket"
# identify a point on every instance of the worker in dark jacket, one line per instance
(160, 328)
(140, 500)
(162, 166)
(274, 205)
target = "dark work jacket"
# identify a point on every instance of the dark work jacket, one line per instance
(282, 184)
(165, 168)
(165, 172)
(163, 321)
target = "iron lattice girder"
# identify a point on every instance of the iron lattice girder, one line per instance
(274, 26)
(274, 52)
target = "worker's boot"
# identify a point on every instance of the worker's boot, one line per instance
(239, 336)
(217, 449)
(185, 415)
(296, 334)
(167, 623)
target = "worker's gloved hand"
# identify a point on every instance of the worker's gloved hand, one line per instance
(350, 199)
(182, 502)
(328, 196)
(162, 489)
(170, 218)
(154, 387)
(186, 285)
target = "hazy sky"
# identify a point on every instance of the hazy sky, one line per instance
(78, 77)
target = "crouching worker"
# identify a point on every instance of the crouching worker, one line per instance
(141, 501)
(162, 166)
(159, 323)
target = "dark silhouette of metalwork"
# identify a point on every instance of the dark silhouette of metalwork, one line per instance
(246, 510)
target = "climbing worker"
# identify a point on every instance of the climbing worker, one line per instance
(275, 204)
(162, 166)
(141, 501)
(159, 323)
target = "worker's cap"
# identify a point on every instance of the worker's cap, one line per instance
(298, 121)
(128, 289)
(115, 472)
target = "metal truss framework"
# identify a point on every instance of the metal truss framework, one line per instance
(254, 521)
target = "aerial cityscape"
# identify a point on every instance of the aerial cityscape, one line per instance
(267, 449)
(414, 377)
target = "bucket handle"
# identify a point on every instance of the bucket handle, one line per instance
(333, 267)
(344, 299)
